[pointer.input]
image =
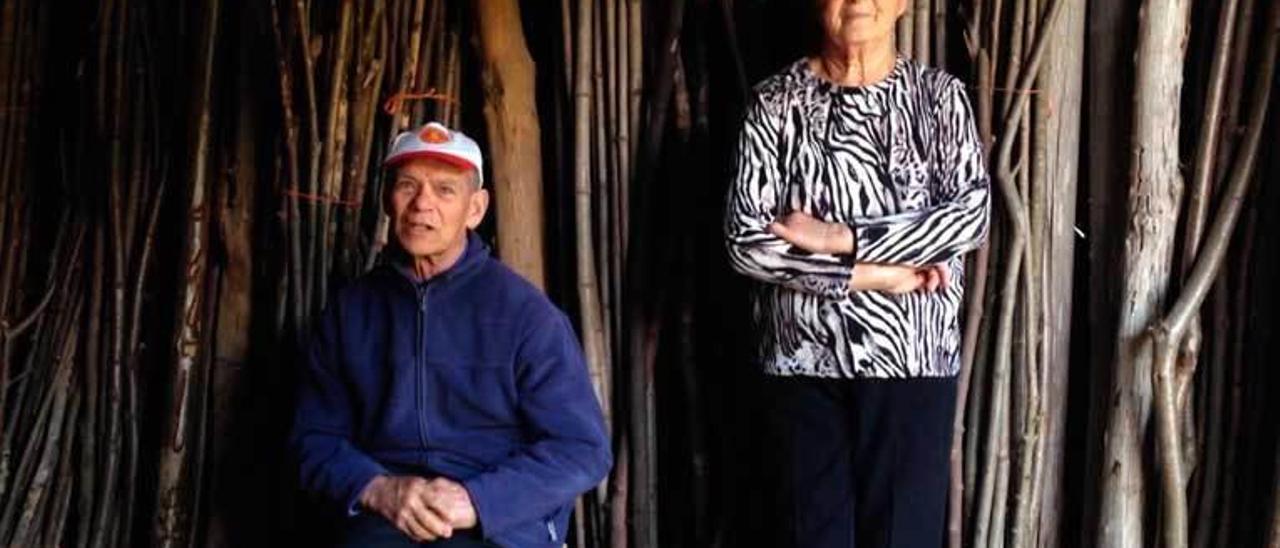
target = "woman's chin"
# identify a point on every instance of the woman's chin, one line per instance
(859, 32)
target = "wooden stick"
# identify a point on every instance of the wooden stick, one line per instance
(923, 18)
(735, 51)
(366, 83)
(566, 34)
(588, 291)
(64, 480)
(1207, 142)
(618, 495)
(171, 526)
(1273, 534)
(904, 34)
(940, 30)
(311, 229)
(635, 68)
(334, 141)
(607, 157)
(1166, 334)
(294, 217)
(96, 510)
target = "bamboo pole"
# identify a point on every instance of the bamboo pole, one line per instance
(605, 163)
(620, 184)
(588, 289)
(635, 69)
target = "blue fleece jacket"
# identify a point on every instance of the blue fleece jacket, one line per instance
(472, 375)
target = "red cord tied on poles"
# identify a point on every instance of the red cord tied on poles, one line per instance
(391, 106)
(393, 103)
(307, 197)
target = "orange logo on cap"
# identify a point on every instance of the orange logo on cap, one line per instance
(434, 135)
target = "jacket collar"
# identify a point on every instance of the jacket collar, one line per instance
(473, 255)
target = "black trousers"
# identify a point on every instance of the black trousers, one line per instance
(368, 530)
(861, 463)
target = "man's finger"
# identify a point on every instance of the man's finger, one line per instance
(445, 505)
(434, 522)
(946, 275)
(409, 523)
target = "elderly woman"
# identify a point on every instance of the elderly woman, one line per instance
(860, 185)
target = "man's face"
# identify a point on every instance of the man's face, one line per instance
(851, 22)
(432, 204)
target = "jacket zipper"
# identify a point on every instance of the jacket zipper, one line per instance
(421, 368)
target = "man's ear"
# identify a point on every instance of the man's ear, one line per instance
(478, 206)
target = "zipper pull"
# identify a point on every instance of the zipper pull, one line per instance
(422, 298)
(551, 530)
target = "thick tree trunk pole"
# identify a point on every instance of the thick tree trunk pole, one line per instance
(235, 305)
(1109, 33)
(1062, 79)
(172, 522)
(507, 76)
(1155, 194)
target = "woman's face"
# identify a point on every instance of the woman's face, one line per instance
(859, 22)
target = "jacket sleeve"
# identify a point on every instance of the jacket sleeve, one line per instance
(328, 462)
(756, 198)
(568, 450)
(956, 224)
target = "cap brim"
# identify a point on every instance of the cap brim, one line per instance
(434, 154)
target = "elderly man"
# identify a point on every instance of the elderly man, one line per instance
(444, 400)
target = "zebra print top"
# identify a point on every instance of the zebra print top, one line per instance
(900, 162)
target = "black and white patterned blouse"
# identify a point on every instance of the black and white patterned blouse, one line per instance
(899, 161)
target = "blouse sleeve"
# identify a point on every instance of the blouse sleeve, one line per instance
(958, 222)
(755, 199)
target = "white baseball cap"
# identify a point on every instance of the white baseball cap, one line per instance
(435, 140)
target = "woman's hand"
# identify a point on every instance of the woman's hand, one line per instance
(807, 232)
(898, 279)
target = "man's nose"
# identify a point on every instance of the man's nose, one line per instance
(423, 200)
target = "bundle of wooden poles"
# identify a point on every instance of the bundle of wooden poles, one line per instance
(185, 185)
